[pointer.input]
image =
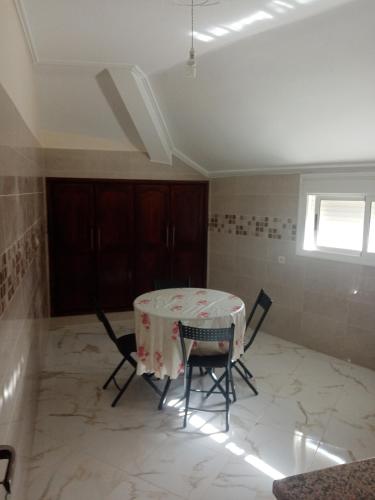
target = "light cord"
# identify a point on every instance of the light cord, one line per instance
(192, 24)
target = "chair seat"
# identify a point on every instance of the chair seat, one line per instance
(214, 361)
(127, 344)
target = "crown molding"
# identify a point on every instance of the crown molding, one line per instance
(36, 59)
(152, 105)
(26, 30)
(189, 162)
(301, 168)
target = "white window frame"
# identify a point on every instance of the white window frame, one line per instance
(370, 199)
(359, 186)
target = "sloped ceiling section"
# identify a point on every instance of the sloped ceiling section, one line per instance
(299, 95)
(282, 84)
(81, 108)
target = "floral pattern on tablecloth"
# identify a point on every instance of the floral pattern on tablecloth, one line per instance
(156, 326)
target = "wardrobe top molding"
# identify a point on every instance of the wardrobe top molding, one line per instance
(127, 181)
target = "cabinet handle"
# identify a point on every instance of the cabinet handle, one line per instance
(167, 236)
(173, 236)
(92, 238)
(99, 238)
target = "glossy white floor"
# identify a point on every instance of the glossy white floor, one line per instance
(313, 411)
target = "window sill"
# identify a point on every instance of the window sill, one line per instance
(363, 260)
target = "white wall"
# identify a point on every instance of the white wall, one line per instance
(81, 109)
(16, 69)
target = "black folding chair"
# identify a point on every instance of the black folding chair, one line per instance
(262, 303)
(126, 344)
(208, 362)
(163, 284)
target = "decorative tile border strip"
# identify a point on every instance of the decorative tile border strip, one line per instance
(16, 260)
(277, 228)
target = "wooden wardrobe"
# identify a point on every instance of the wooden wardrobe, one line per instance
(111, 239)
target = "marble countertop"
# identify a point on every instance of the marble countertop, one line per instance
(354, 481)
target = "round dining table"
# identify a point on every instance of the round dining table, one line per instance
(157, 315)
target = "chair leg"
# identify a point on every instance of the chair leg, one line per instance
(115, 401)
(114, 373)
(216, 384)
(164, 394)
(147, 378)
(245, 369)
(227, 400)
(201, 371)
(232, 385)
(187, 394)
(246, 380)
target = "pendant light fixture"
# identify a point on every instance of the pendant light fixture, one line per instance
(191, 64)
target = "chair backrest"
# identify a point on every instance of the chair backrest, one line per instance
(163, 284)
(206, 335)
(264, 303)
(103, 319)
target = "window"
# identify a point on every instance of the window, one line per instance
(337, 217)
(371, 238)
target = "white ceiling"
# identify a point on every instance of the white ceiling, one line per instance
(153, 34)
(300, 94)
(292, 89)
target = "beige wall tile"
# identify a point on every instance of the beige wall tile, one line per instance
(362, 315)
(328, 306)
(285, 295)
(291, 275)
(22, 335)
(323, 334)
(255, 248)
(283, 206)
(223, 186)
(255, 184)
(113, 165)
(324, 305)
(246, 204)
(225, 262)
(331, 278)
(284, 322)
(287, 249)
(223, 204)
(360, 344)
(252, 268)
(285, 185)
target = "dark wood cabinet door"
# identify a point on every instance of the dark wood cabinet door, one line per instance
(189, 232)
(114, 241)
(71, 239)
(152, 254)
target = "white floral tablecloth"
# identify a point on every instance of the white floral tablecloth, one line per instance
(156, 326)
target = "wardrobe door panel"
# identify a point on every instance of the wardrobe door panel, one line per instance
(74, 277)
(114, 242)
(189, 232)
(71, 241)
(152, 235)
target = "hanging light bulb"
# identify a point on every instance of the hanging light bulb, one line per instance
(191, 65)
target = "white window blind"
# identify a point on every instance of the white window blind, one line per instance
(341, 224)
(371, 238)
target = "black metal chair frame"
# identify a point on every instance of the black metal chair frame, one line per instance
(209, 363)
(265, 302)
(125, 348)
(164, 284)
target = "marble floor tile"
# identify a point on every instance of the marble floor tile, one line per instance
(312, 411)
